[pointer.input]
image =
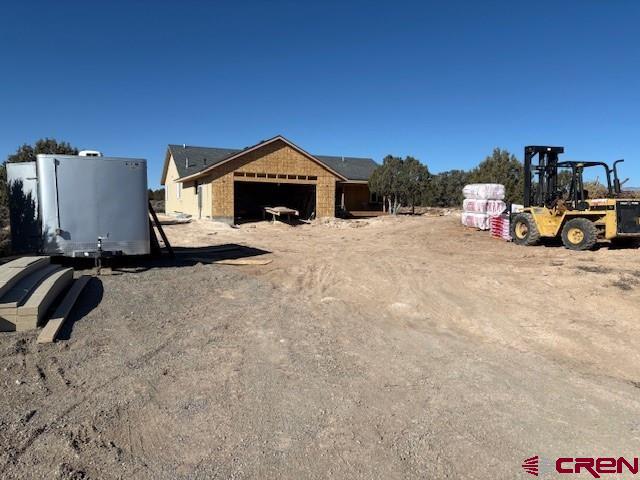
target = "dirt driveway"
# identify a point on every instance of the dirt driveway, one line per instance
(388, 348)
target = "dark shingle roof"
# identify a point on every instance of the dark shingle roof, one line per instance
(200, 158)
(350, 167)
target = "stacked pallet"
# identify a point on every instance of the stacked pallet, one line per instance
(29, 286)
(482, 201)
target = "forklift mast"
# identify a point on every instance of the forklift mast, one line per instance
(546, 171)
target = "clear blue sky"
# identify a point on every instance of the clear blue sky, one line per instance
(443, 81)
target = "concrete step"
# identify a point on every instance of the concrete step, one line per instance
(21, 290)
(12, 272)
(19, 293)
(31, 313)
(54, 324)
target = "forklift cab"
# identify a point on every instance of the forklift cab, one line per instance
(550, 181)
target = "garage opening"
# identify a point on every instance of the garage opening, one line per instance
(251, 197)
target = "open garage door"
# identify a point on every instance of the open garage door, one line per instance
(251, 197)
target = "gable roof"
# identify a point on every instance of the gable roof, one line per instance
(192, 162)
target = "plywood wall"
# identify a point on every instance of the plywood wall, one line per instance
(277, 158)
(356, 196)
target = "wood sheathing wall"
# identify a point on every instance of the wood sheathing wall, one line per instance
(276, 158)
(356, 196)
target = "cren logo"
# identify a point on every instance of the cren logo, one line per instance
(531, 465)
(594, 466)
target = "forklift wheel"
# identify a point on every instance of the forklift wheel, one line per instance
(524, 230)
(579, 234)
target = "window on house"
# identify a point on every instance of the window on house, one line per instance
(178, 190)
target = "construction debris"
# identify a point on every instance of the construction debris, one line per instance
(281, 211)
(245, 261)
(233, 261)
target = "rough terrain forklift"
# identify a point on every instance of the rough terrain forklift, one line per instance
(556, 204)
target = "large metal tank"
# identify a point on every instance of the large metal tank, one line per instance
(86, 201)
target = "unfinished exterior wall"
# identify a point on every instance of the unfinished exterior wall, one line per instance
(356, 196)
(276, 163)
(187, 201)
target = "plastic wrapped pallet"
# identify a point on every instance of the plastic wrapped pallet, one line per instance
(495, 207)
(484, 191)
(475, 220)
(474, 205)
(490, 207)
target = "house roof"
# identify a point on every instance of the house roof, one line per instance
(192, 160)
(353, 168)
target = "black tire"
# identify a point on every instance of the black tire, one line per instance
(524, 230)
(579, 234)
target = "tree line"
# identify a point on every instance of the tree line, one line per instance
(407, 182)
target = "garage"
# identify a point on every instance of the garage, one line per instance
(234, 185)
(250, 198)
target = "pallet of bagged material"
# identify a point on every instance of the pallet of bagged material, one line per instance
(31, 312)
(12, 272)
(475, 220)
(484, 191)
(500, 227)
(58, 318)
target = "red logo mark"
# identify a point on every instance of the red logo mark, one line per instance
(530, 465)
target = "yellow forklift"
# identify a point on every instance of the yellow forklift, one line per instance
(556, 204)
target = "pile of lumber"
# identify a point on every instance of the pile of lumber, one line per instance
(30, 287)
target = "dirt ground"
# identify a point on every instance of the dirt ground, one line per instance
(404, 347)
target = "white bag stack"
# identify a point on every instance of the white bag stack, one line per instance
(484, 191)
(475, 220)
(495, 207)
(474, 205)
(481, 202)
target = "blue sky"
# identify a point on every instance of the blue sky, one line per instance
(443, 81)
